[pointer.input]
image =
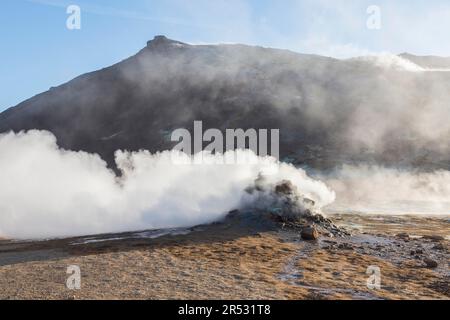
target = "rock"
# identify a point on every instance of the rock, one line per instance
(345, 246)
(161, 42)
(318, 218)
(439, 247)
(433, 238)
(309, 233)
(276, 217)
(431, 264)
(285, 187)
(403, 236)
(234, 213)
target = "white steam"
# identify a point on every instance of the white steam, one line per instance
(49, 192)
(390, 61)
(375, 189)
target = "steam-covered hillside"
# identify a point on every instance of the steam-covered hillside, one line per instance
(329, 111)
(428, 62)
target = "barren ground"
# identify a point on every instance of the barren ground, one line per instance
(238, 259)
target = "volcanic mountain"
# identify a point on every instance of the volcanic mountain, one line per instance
(329, 111)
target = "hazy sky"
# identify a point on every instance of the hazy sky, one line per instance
(38, 51)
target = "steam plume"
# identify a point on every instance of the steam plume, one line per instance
(49, 192)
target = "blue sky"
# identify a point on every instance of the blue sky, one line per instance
(38, 51)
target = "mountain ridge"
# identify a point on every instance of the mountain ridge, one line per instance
(320, 104)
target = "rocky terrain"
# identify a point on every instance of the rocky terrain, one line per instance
(244, 257)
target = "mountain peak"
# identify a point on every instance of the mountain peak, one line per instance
(162, 41)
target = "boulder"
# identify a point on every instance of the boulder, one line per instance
(429, 263)
(309, 233)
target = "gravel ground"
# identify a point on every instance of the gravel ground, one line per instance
(238, 259)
